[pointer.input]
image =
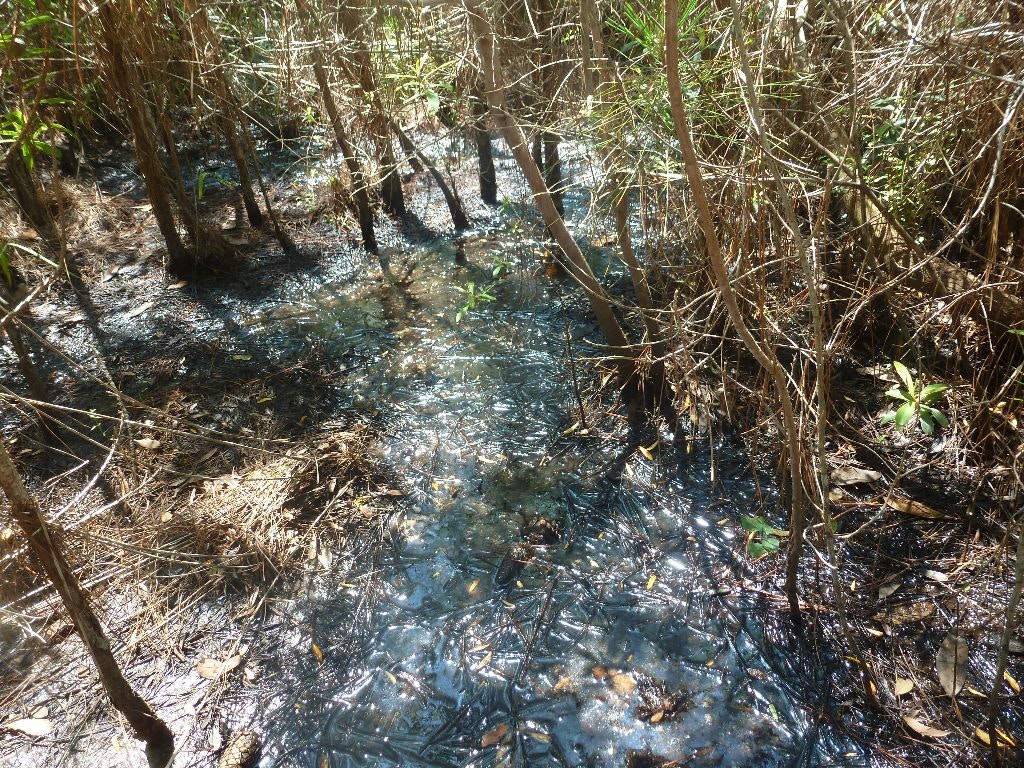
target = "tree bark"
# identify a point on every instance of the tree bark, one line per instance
(484, 151)
(45, 543)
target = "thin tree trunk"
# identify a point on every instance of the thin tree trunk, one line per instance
(643, 298)
(553, 169)
(243, 136)
(181, 260)
(392, 196)
(764, 355)
(516, 140)
(484, 150)
(458, 213)
(409, 150)
(45, 544)
(359, 191)
(352, 24)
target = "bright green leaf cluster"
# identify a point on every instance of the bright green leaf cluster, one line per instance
(916, 402)
(764, 537)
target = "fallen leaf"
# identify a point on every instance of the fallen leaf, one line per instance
(214, 740)
(140, 309)
(563, 684)
(149, 443)
(30, 726)
(925, 730)
(179, 284)
(903, 686)
(936, 576)
(854, 475)
(318, 653)
(108, 274)
(211, 669)
(951, 663)
(914, 508)
(494, 736)
(1002, 737)
(472, 587)
(166, 517)
(623, 683)
(1011, 681)
(539, 736)
(658, 716)
(887, 589)
(650, 582)
(600, 673)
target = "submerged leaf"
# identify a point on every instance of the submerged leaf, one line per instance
(494, 736)
(951, 663)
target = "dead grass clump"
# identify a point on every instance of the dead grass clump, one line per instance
(267, 517)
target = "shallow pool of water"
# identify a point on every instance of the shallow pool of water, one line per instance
(621, 636)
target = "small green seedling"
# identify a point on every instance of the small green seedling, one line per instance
(762, 536)
(916, 402)
(474, 295)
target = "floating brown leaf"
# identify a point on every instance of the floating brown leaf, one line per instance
(494, 736)
(951, 663)
(924, 730)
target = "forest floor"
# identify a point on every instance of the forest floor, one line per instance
(238, 466)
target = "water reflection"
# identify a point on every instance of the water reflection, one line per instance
(623, 641)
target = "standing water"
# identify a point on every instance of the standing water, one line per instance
(544, 599)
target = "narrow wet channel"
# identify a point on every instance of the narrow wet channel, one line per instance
(538, 603)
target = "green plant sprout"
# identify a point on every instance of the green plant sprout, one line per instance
(201, 182)
(474, 295)
(916, 402)
(762, 536)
